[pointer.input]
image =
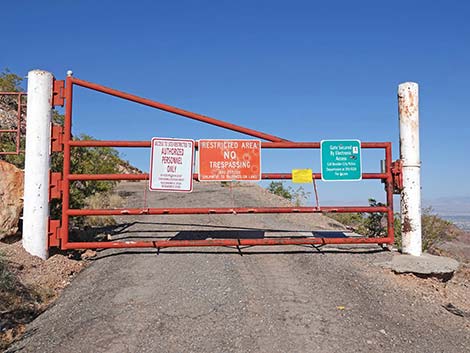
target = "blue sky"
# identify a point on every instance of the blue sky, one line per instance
(303, 70)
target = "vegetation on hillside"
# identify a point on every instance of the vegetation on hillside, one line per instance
(90, 160)
(435, 230)
(10, 82)
(297, 196)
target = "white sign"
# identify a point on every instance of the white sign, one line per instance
(171, 165)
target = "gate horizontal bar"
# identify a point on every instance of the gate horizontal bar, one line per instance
(145, 176)
(220, 210)
(159, 244)
(173, 110)
(109, 143)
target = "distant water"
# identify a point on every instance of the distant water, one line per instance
(463, 222)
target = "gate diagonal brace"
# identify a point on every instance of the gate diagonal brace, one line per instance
(397, 176)
(58, 93)
(54, 233)
(55, 185)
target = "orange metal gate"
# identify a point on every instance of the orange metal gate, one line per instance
(60, 182)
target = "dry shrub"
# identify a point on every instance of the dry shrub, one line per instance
(435, 230)
(102, 200)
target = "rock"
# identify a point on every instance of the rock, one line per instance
(456, 311)
(426, 265)
(11, 196)
(88, 254)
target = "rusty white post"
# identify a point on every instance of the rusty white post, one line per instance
(37, 163)
(410, 205)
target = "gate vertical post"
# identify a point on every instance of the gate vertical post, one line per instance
(37, 163)
(410, 198)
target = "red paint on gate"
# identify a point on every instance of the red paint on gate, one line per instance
(59, 234)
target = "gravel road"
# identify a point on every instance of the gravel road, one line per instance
(266, 299)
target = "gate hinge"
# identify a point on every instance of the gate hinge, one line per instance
(57, 138)
(55, 185)
(397, 176)
(58, 94)
(54, 233)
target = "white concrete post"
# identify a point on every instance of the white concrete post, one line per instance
(410, 205)
(37, 163)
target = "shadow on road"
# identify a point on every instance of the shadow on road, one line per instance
(106, 253)
(138, 230)
(178, 231)
(124, 227)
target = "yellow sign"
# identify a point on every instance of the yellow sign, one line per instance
(302, 176)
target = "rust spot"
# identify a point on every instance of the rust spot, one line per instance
(411, 98)
(401, 105)
(407, 105)
(406, 222)
(407, 225)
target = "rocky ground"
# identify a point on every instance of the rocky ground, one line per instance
(266, 299)
(458, 248)
(31, 287)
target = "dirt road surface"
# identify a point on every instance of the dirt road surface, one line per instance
(266, 299)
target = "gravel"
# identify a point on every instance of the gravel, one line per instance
(264, 299)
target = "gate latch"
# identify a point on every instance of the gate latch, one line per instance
(397, 176)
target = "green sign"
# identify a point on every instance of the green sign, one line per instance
(341, 160)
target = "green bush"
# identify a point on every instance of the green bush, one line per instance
(297, 196)
(87, 160)
(352, 220)
(435, 230)
(10, 82)
(6, 145)
(374, 224)
(84, 160)
(102, 200)
(370, 224)
(277, 188)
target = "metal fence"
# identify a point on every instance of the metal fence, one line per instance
(61, 183)
(17, 125)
